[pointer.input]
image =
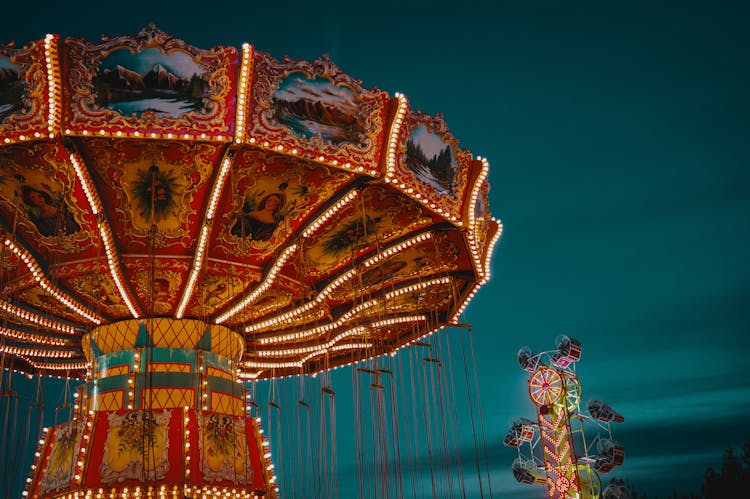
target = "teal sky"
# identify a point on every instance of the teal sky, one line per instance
(617, 134)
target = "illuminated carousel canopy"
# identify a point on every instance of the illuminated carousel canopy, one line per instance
(155, 195)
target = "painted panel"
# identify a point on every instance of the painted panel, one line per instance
(65, 443)
(377, 217)
(152, 82)
(315, 109)
(224, 457)
(431, 164)
(436, 256)
(150, 183)
(267, 199)
(24, 105)
(126, 435)
(39, 192)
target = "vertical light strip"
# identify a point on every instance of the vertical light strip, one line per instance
(113, 261)
(217, 189)
(114, 269)
(93, 199)
(393, 135)
(485, 275)
(45, 284)
(197, 265)
(243, 93)
(490, 249)
(53, 84)
(476, 254)
(270, 278)
(455, 318)
(203, 238)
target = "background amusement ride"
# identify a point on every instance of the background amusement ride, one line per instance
(178, 223)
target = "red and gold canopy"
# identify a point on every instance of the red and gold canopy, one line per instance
(142, 177)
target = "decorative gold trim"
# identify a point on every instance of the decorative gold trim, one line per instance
(31, 123)
(265, 131)
(85, 117)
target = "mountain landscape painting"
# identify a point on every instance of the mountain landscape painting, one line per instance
(168, 85)
(12, 88)
(431, 160)
(318, 108)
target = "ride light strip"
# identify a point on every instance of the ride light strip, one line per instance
(33, 352)
(105, 233)
(203, 239)
(476, 253)
(393, 135)
(28, 337)
(242, 95)
(50, 57)
(36, 319)
(313, 227)
(270, 278)
(46, 285)
(335, 284)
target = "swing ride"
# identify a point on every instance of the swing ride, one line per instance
(178, 223)
(554, 450)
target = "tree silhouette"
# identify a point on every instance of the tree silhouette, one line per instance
(734, 478)
(733, 481)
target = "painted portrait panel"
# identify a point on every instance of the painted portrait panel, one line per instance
(150, 183)
(41, 198)
(155, 192)
(269, 197)
(263, 208)
(100, 291)
(160, 290)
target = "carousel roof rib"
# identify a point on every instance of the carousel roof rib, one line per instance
(114, 262)
(44, 281)
(203, 241)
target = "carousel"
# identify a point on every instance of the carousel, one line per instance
(179, 223)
